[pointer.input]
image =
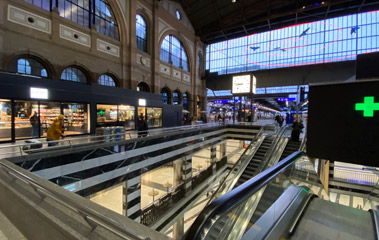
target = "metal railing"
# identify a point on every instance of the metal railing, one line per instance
(92, 217)
(26, 148)
(160, 206)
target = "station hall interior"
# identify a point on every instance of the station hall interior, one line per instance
(189, 119)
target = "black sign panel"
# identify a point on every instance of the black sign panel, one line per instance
(343, 122)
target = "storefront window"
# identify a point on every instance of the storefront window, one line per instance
(5, 120)
(106, 113)
(126, 116)
(154, 117)
(26, 119)
(185, 101)
(76, 118)
(48, 112)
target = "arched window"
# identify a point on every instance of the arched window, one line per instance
(165, 96)
(176, 97)
(31, 67)
(141, 33)
(73, 74)
(143, 87)
(185, 101)
(106, 80)
(198, 66)
(84, 12)
(172, 51)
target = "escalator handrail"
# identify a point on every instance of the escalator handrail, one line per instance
(238, 195)
(260, 132)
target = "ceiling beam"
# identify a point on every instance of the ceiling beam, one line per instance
(214, 5)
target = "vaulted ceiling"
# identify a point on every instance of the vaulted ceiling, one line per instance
(219, 20)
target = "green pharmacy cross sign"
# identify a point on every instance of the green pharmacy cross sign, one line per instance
(101, 112)
(368, 107)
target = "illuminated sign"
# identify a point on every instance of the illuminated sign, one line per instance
(368, 107)
(226, 101)
(241, 84)
(38, 93)
(286, 108)
(286, 99)
(142, 102)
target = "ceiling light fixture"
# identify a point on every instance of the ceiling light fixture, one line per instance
(234, 0)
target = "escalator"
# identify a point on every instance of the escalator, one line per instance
(251, 169)
(271, 206)
(306, 216)
(291, 147)
(271, 193)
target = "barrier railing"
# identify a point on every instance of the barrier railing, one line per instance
(26, 148)
(160, 206)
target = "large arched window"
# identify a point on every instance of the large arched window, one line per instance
(73, 74)
(141, 33)
(84, 12)
(172, 51)
(31, 67)
(165, 96)
(185, 101)
(106, 80)
(143, 87)
(176, 97)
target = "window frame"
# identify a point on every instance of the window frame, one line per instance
(180, 61)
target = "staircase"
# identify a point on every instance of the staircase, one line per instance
(270, 195)
(290, 148)
(251, 169)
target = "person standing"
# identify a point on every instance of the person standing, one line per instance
(142, 126)
(296, 130)
(55, 131)
(34, 122)
(280, 121)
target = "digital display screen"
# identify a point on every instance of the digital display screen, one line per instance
(343, 122)
(241, 84)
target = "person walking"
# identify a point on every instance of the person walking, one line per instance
(55, 131)
(142, 126)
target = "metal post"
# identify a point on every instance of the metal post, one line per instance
(252, 108)
(234, 109)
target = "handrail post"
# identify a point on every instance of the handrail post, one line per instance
(20, 147)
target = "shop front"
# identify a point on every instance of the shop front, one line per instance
(28, 106)
(152, 115)
(112, 115)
